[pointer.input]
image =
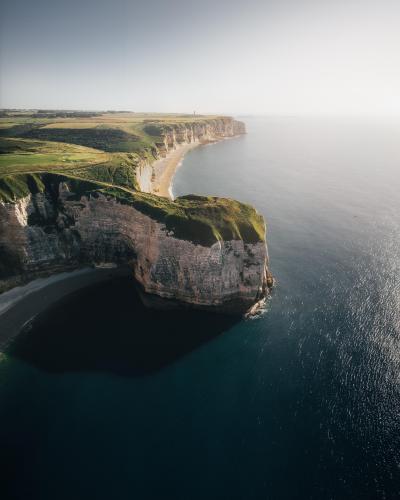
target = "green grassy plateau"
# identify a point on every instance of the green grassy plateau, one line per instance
(99, 152)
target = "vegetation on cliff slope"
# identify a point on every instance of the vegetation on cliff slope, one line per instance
(200, 219)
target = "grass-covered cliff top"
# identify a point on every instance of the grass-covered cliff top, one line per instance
(202, 219)
(99, 152)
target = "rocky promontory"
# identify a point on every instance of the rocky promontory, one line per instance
(203, 252)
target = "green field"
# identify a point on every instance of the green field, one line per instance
(24, 155)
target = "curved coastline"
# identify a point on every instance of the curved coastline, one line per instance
(165, 168)
(21, 304)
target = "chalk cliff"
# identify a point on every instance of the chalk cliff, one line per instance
(210, 130)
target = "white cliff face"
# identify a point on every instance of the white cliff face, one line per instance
(209, 130)
(144, 177)
(40, 237)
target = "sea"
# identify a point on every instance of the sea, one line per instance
(103, 399)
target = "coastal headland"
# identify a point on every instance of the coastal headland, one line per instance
(81, 189)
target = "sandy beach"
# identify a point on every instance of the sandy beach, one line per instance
(20, 304)
(164, 169)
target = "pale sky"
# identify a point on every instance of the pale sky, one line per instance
(234, 57)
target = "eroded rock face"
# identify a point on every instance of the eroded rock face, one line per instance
(210, 130)
(46, 232)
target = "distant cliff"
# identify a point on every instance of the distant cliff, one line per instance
(207, 130)
(169, 136)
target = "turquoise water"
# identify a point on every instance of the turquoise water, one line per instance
(104, 399)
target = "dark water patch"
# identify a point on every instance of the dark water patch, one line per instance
(106, 328)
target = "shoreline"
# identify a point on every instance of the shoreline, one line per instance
(164, 169)
(21, 304)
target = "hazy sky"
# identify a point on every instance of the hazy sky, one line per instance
(236, 56)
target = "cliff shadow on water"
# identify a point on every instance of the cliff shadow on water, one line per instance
(105, 327)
